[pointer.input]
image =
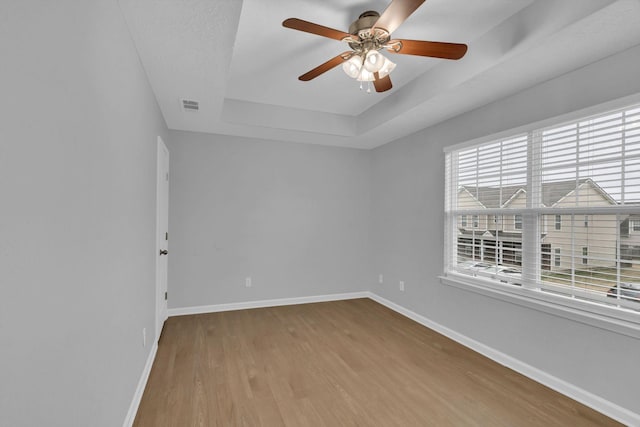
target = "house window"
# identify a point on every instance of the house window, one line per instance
(574, 177)
(463, 220)
(518, 222)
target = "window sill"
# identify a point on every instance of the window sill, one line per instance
(619, 321)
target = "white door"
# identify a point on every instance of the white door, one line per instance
(162, 235)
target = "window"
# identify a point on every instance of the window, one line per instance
(573, 190)
(517, 222)
(463, 220)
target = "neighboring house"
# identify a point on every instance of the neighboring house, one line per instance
(487, 237)
(593, 237)
(630, 240)
(499, 238)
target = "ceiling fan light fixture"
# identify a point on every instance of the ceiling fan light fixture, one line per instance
(353, 66)
(387, 68)
(374, 61)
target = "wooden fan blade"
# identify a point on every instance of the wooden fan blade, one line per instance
(396, 13)
(310, 27)
(431, 49)
(323, 68)
(382, 84)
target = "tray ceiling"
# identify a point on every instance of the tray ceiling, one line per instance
(235, 58)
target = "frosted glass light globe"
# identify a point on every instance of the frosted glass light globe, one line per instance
(387, 68)
(352, 66)
(365, 76)
(373, 61)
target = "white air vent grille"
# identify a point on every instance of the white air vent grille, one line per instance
(190, 105)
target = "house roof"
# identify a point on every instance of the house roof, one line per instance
(490, 197)
(552, 192)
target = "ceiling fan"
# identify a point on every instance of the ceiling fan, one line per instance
(367, 36)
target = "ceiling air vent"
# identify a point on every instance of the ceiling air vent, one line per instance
(190, 105)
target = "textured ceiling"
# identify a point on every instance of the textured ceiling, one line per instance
(237, 60)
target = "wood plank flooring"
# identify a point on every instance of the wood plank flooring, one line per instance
(343, 363)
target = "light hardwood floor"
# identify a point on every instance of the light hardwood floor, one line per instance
(343, 363)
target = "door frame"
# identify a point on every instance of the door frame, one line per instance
(162, 177)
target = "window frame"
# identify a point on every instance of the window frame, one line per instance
(616, 319)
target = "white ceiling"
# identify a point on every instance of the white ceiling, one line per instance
(237, 60)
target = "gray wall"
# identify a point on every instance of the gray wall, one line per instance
(293, 217)
(77, 219)
(407, 238)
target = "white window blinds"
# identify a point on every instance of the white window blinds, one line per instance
(554, 210)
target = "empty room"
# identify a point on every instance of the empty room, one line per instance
(319, 213)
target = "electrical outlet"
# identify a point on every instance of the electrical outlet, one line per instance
(380, 279)
(247, 282)
(401, 286)
(144, 337)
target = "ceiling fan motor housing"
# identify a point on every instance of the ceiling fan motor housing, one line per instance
(368, 38)
(365, 21)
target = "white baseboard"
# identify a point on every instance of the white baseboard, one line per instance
(604, 406)
(265, 303)
(142, 383)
